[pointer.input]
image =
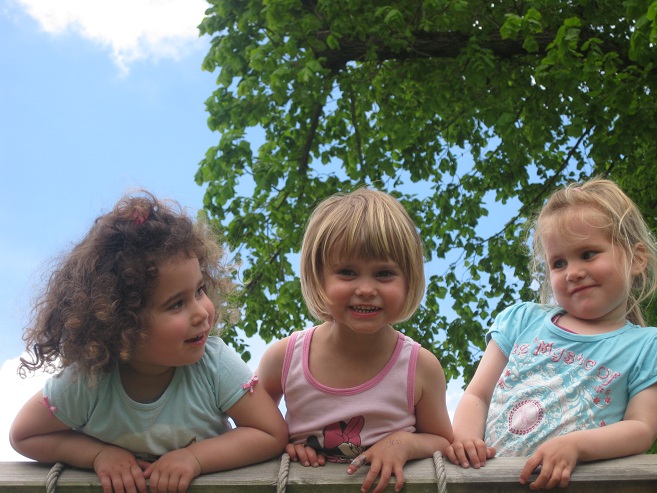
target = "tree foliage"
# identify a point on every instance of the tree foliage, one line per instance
(456, 107)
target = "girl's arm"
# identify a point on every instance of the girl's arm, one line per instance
(433, 429)
(37, 434)
(559, 456)
(260, 435)
(270, 371)
(472, 411)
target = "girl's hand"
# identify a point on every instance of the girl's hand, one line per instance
(469, 451)
(557, 458)
(386, 458)
(308, 456)
(173, 472)
(119, 471)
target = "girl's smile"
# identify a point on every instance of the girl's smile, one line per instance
(363, 294)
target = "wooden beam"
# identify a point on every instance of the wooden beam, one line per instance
(636, 474)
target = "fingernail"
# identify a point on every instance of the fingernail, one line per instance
(306, 463)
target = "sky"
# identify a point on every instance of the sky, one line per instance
(96, 99)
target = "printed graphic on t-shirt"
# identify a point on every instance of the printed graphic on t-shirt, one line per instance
(341, 440)
(546, 391)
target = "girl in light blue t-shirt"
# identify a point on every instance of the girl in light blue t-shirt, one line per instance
(575, 381)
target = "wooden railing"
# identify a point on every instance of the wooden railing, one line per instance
(627, 475)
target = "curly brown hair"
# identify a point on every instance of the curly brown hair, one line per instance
(92, 311)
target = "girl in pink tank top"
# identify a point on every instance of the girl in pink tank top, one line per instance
(356, 390)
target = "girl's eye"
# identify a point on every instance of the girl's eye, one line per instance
(558, 264)
(345, 272)
(176, 305)
(200, 291)
(386, 274)
(588, 255)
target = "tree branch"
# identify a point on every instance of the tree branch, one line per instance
(440, 45)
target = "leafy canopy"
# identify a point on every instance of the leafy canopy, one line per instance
(455, 107)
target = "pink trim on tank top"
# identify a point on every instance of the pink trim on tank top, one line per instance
(350, 390)
(287, 361)
(412, 366)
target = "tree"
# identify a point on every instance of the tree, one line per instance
(450, 105)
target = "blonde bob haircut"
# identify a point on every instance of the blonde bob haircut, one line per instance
(366, 224)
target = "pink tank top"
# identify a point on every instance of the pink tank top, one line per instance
(341, 423)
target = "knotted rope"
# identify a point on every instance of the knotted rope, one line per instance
(441, 475)
(53, 476)
(283, 472)
(438, 464)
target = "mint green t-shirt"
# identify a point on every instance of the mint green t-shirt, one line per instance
(191, 409)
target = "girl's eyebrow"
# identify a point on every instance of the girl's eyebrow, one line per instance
(181, 293)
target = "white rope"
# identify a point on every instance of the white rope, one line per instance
(53, 475)
(441, 475)
(283, 473)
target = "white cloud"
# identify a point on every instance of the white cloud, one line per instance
(16, 391)
(131, 29)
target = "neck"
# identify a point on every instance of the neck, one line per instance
(143, 386)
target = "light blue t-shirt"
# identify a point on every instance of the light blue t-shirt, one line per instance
(557, 382)
(192, 408)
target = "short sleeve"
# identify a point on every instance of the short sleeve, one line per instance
(644, 373)
(230, 374)
(72, 396)
(512, 321)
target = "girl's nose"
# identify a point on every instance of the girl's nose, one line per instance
(366, 289)
(575, 273)
(200, 313)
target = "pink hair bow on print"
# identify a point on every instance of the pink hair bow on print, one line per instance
(51, 409)
(338, 433)
(250, 384)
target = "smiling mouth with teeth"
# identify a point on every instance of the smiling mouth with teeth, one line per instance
(195, 339)
(366, 309)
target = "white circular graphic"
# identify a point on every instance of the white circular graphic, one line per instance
(525, 416)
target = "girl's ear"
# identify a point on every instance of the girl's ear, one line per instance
(639, 259)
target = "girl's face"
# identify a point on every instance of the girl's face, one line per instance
(364, 295)
(181, 316)
(588, 272)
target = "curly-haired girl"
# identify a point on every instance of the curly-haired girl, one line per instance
(145, 391)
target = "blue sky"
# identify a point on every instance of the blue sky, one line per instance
(77, 130)
(90, 107)
(93, 103)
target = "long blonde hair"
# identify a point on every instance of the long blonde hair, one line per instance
(622, 221)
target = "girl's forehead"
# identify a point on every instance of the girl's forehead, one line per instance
(571, 221)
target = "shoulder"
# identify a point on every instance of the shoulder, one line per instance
(525, 310)
(276, 351)
(429, 368)
(518, 320)
(270, 368)
(219, 357)
(521, 316)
